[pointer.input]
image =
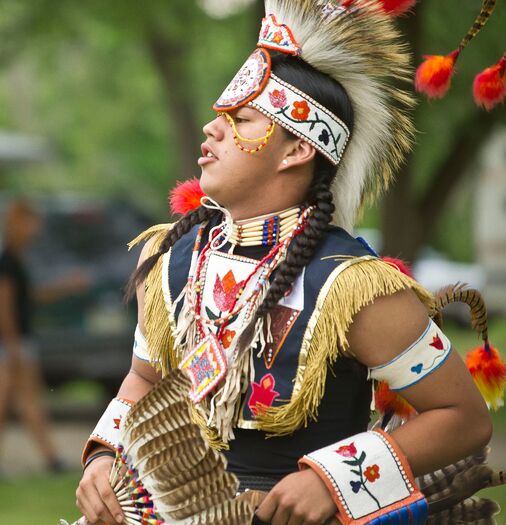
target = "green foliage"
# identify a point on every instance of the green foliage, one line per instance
(82, 76)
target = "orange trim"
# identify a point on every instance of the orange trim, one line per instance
(274, 48)
(343, 514)
(267, 56)
(88, 448)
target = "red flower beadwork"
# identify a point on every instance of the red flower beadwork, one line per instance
(301, 110)
(263, 394)
(227, 338)
(225, 291)
(372, 473)
(347, 451)
(278, 98)
(437, 343)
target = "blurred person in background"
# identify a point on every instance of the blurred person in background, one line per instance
(20, 378)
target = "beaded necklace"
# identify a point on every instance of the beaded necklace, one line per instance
(266, 230)
(268, 264)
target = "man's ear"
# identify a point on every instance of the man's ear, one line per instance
(299, 153)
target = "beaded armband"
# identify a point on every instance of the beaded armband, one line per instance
(424, 356)
(106, 433)
(370, 480)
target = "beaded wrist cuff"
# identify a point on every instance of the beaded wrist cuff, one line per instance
(370, 480)
(106, 433)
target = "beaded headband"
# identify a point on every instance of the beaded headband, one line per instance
(255, 86)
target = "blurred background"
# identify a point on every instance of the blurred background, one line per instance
(101, 110)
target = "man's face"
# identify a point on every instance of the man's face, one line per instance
(231, 176)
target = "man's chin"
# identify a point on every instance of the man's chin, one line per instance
(210, 188)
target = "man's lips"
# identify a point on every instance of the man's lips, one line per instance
(208, 155)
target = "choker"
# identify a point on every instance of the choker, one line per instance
(265, 230)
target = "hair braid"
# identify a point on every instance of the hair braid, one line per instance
(180, 228)
(302, 248)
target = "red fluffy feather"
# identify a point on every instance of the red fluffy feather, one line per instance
(401, 265)
(387, 401)
(489, 87)
(397, 7)
(489, 374)
(185, 197)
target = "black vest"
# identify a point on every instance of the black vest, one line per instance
(344, 409)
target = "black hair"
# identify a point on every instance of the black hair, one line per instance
(330, 94)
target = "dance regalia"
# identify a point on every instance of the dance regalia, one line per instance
(284, 391)
(303, 386)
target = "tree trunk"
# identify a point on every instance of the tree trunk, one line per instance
(170, 59)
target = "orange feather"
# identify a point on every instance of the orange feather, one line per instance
(489, 374)
(433, 77)
(388, 401)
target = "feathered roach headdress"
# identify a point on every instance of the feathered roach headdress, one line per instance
(354, 42)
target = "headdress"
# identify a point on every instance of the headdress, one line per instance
(355, 43)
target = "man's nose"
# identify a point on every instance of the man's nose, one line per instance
(214, 128)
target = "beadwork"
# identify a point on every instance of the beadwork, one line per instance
(265, 230)
(238, 138)
(267, 265)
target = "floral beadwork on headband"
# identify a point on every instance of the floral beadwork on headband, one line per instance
(304, 117)
(278, 37)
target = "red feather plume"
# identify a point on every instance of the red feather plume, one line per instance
(397, 7)
(401, 265)
(185, 197)
(489, 87)
(433, 77)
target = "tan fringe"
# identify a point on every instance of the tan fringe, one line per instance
(158, 332)
(150, 232)
(358, 283)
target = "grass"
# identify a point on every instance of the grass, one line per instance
(40, 500)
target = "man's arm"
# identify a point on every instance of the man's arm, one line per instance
(446, 399)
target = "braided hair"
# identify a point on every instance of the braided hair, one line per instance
(331, 95)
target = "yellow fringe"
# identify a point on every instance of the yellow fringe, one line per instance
(156, 318)
(352, 286)
(158, 328)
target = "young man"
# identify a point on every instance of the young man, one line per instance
(281, 318)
